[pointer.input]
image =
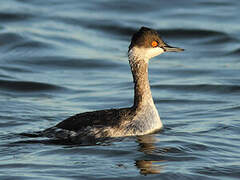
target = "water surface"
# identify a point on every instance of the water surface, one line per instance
(59, 58)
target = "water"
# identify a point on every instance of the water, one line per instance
(59, 58)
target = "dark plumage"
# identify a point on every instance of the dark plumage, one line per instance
(110, 117)
(144, 38)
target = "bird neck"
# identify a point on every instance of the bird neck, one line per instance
(142, 91)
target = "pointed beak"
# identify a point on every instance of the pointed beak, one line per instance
(168, 48)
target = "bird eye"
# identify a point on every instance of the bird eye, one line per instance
(154, 44)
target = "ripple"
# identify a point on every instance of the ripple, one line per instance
(172, 150)
(33, 165)
(220, 40)
(235, 52)
(124, 7)
(6, 17)
(27, 86)
(216, 3)
(9, 38)
(10, 41)
(29, 45)
(191, 33)
(230, 109)
(10, 123)
(68, 62)
(112, 28)
(206, 88)
(185, 101)
(2, 76)
(15, 69)
(117, 28)
(226, 170)
(103, 25)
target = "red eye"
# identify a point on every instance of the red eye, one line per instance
(154, 44)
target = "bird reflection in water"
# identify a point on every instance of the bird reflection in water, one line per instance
(148, 164)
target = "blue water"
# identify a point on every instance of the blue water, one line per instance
(59, 58)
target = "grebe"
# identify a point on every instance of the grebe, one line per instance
(142, 118)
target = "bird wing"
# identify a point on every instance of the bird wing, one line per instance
(110, 117)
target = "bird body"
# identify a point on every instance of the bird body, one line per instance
(139, 119)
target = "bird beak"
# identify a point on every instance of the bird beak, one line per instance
(168, 48)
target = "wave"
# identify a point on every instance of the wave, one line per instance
(68, 62)
(117, 28)
(220, 40)
(235, 52)
(4, 16)
(28, 86)
(107, 26)
(190, 33)
(125, 32)
(29, 45)
(185, 101)
(9, 38)
(207, 88)
(230, 171)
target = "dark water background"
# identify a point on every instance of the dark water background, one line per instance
(59, 57)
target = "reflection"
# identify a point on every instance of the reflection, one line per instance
(147, 167)
(147, 143)
(151, 161)
(148, 164)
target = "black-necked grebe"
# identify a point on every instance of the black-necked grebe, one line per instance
(142, 118)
